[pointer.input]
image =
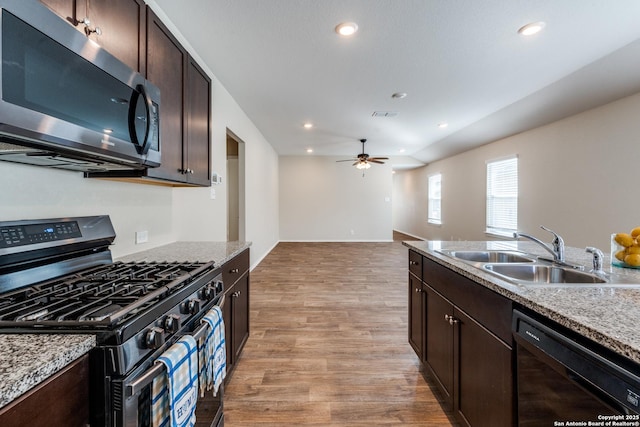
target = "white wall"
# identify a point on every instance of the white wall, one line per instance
(577, 176)
(321, 200)
(35, 192)
(169, 214)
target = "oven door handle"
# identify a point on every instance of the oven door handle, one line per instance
(156, 369)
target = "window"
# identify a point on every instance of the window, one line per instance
(502, 196)
(434, 215)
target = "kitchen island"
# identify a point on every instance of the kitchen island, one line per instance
(462, 313)
(606, 313)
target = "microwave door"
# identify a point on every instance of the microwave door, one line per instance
(140, 119)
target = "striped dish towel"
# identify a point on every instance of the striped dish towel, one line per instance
(175, 392)
(213, 353)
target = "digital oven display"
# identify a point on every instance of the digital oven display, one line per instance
(11, 236)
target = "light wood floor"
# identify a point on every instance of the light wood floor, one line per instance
(328, 344)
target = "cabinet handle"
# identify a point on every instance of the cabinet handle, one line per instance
(446, 317)
(418, 290)
(87, 27)
(413, 262)
(234, 270)
(236, 294)
(453, 320)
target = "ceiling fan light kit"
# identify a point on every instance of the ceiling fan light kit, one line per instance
(363, 161)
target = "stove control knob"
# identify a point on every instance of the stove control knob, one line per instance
(171, 323)
(154, 338)
(219, 286)
(208, 292)
(193, 306)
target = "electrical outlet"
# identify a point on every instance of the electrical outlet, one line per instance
(142, 237)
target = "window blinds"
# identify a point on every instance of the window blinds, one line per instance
(502, 196)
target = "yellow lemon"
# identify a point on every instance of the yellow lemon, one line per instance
(633, 250)
(621, 254)
(635, 232)
(623, 239)
(633, 260)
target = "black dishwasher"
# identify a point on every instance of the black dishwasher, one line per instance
(564, 380)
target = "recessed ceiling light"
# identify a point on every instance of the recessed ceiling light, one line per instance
(307, 125)
(347, 28)
(531, 29)
(309, 150)
(399, 95)
(402, 150)
(443, 125)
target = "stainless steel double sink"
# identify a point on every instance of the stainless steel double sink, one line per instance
(522, 268)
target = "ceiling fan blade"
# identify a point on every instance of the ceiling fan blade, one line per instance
(378, 158)
(356, 163)
(375, 161)
(346, 160)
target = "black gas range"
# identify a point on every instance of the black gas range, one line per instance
(58, 276)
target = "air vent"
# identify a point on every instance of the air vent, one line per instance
(385, 113)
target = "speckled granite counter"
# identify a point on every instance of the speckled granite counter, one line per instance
(606, 313)
(219, 252)
(27, 360)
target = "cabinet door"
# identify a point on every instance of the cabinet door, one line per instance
(228, 320)
(64, 8)
(166, 63)
(121, 24)
(197, 151)
(60, 401)
(484, 389)
(240, 315)
(439, 343)
(416, 315)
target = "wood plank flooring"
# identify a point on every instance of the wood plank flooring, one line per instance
(328, 344)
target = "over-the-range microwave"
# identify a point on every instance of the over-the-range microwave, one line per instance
(67, 103)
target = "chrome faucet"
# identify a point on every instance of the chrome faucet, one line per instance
(557, 248)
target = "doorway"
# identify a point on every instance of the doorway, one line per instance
(235, 187)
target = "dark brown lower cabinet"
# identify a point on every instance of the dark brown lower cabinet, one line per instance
(235, 310)
(60, 401)
(416, 315)
(468, 349)
(484, 381)
(439, 344)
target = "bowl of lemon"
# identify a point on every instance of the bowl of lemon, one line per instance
(625, 249)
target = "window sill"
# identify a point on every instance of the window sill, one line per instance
(504, 236)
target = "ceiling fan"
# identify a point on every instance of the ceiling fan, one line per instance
(363, 161)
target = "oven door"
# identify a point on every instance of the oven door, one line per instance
(131, 396)
(560, 380)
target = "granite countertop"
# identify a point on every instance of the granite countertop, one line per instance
(219, 252)
(607, 313)
(27, 360)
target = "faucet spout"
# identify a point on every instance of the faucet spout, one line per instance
(546, 247)
(556, 248)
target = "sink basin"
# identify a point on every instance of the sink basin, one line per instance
(537, 273)
(490, 256)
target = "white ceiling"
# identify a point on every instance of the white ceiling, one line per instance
(460, 61)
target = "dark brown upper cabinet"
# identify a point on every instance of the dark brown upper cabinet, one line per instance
(197, 152)
(185, 110)
(116, 25)
(166, 68)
